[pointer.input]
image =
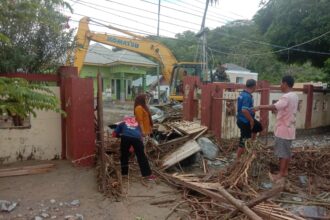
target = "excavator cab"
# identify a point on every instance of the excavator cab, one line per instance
(179, 71)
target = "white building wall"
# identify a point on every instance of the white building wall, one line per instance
(320, 112)
(233, 75)
(43, 141)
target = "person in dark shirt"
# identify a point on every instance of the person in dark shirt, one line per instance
(131, 135)
(246, 121)
(179, 88)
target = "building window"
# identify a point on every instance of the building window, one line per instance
(239, 80)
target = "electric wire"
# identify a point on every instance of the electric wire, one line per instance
(130, 19)
(154, 27)
(178, 10)
(269, 44)
(297, 45)
(277, 51)
(155, 13)
(138, 31)
(198, 11)
(210, 48)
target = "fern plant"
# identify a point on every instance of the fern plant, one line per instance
(20, 98)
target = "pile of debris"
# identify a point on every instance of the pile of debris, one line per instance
(174, 142)
(221, 188)
(166, 112)
(240, 187)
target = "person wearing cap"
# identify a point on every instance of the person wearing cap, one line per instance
(130, 134)
(246, 122)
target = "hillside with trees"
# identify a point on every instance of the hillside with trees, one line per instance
(284, 37)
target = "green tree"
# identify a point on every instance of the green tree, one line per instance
(21, 98)
(184, 46)
(33, 38)
(34, 35)
(291, 22)
(326, 70)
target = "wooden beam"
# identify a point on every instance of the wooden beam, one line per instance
(26, 170)
(186, 150)
(238, 204)
(263, 197)
(174, 141)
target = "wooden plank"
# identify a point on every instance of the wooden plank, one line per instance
(213, 195)
(219, 198)
(175, 141)
(263, 197)
(24, 172)
(238, 204)
(39, 166)
(186, 150)
(188, 127)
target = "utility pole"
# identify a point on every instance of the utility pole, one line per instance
(204, 43)
(158, 81)
(158, 18)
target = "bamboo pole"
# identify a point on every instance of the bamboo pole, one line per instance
(238, 204)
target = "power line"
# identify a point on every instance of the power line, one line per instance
(217, 51)
(178, 10)
(277, 51)
(84, 4)
(199, 11)
(155, 13)
(272, 45)
(297, 45)
(139, 31)
(110, 55)
(209, 13)
(115, 35)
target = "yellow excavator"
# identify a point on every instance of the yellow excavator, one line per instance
(172, 71)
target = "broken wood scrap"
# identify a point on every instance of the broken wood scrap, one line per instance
(178, 182)
(200, 134)
(26, 170)
(189, 148)
(269, 213)
(223, 197)
(197, 181)
(238, 204)
(174, 142)
(173, 209)
(163, 202)
(265, 210)
(188, 127)
(316, 203)
(263, 197)
(176, 130)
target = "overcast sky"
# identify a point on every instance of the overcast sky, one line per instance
(176, 16)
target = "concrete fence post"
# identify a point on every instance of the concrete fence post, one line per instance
(309, 89)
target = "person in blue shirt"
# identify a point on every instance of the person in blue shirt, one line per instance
(131, 135)
(246, 121)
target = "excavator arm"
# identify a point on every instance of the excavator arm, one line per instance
(134, 43)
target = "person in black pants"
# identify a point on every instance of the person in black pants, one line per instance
(130, 134)
(246, 121)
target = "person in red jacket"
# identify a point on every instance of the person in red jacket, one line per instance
(130, 133)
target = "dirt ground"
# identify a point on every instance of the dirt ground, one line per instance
(67, 183)
(115, 112)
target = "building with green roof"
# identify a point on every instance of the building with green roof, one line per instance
(118, 70)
